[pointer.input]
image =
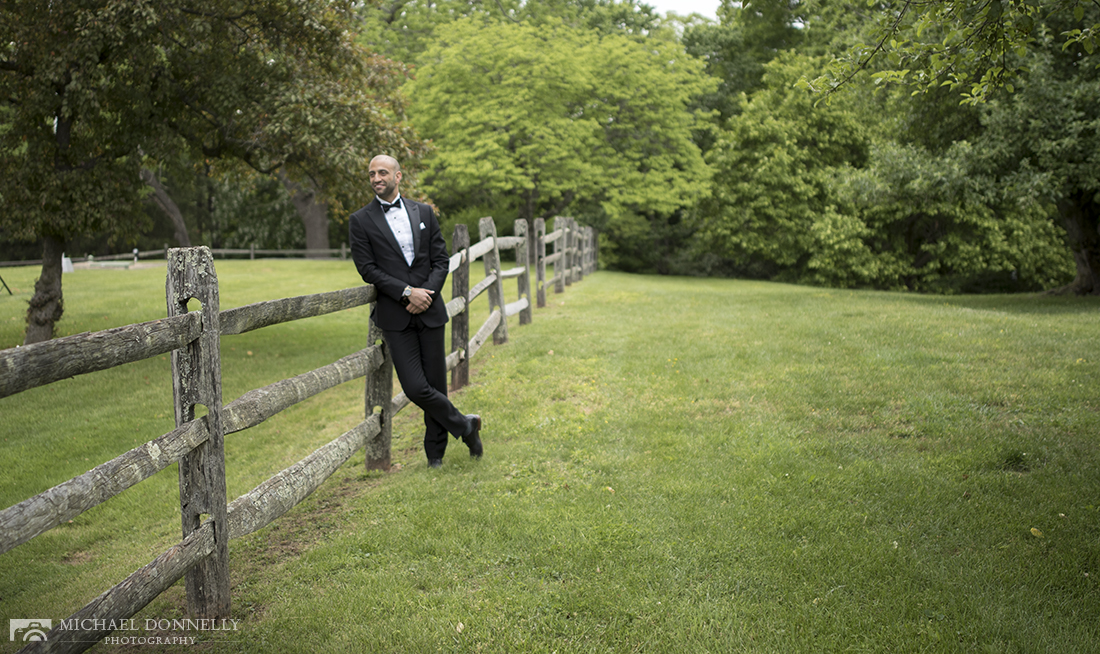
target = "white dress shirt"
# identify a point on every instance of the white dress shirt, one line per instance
(398, 219)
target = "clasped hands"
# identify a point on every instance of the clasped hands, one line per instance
(419, 300)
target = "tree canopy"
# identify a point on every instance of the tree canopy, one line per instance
(403, 29)
(91, 89)
(974, 46)
(694, 147)
(541, 121)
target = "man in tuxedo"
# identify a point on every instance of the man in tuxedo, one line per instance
(398, 247)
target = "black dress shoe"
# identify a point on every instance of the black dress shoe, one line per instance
(435, 463)
(473, 439)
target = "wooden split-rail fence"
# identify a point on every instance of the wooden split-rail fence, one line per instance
(196, 444)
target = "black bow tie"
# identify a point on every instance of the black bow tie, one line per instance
(387, 207)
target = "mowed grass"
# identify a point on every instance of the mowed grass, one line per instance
(671, 464)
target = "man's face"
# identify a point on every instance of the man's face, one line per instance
(384, 178)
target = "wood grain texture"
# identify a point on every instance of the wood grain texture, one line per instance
(23, 368)
(259, 404)
(285, 489)
(263, 314)
(48, 509)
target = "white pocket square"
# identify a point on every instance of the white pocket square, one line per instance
(422, 226)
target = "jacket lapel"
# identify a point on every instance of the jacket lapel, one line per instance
(374, 211)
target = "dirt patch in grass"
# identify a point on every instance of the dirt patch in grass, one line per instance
(303, 526)
(78, 558)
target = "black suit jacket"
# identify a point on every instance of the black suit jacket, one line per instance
(379, 259)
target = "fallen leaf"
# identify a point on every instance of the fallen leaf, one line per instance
(1036, 533)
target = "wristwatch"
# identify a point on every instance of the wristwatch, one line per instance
(406, 294)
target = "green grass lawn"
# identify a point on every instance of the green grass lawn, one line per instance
(672, 464)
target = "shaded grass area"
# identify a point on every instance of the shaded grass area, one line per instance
(707, 465)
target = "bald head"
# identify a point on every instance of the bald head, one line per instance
(387, 161)
(385, 176)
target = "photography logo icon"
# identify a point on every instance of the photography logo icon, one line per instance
(25, 631)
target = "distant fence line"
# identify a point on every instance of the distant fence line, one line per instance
(197, 444)
(252, 252)
(343, 252)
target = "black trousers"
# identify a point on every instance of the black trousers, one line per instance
(420, 359)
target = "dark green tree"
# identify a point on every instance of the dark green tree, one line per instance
(1045, 138)
(974, 46)
(736, 49)
(93, 90)
(917, 220)
(1032, 66)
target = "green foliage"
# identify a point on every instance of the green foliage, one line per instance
(801, 194)
(256, 211)
(404, 29)
(973, 46)
(736, 49)
(553, 121)
(773, 172)
(1049, 130)
(93, 87)
(934, 223)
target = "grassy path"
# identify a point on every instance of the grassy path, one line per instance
(671, 465)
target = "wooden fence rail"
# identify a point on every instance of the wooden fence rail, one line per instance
(209, 521)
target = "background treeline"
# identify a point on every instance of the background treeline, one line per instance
(699, 148)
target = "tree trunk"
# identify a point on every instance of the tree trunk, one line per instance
(46, 306)
(314, 215)
(1081, 218)
(168, 206)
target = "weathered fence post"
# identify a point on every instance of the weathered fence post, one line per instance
(586, 263)
(379, 395)
(524, 280)
(569, 249)
(487, 228)
(196, 379)
(595, 250)
(578, 251)
(582, 246)
(540, 261)
(559, 264)
(460, 324)
(578, 259)
(590, 248)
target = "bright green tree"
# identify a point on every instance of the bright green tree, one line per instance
(94, 88)
(547, 121)
(403, 29)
